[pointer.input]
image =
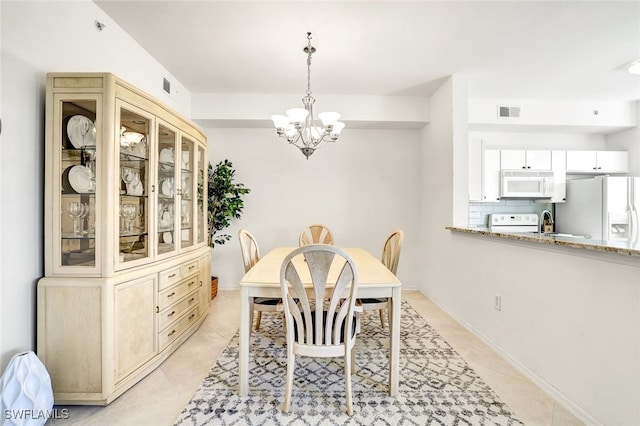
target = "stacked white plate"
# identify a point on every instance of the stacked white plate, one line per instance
(77, 125)
(81, 179)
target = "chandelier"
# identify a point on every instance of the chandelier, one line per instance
(299, 126)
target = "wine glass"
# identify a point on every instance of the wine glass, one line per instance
(91, 213)
(77, 211)
(85, 126)
(128, 212)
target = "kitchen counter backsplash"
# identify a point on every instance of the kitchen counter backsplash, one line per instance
(479, 212)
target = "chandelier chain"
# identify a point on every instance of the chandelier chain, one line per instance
(310, 50)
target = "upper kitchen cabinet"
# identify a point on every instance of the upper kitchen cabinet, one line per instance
(484, 173)
(597, 162)
(486, 165)
(525, 159)
(126, 258)
(558, 166)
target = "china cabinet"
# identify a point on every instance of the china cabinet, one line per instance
(126, 259)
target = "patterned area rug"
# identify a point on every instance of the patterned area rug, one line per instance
(437, 387)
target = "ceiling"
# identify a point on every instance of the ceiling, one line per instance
(565, 50)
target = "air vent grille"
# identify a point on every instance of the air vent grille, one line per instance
(505, 111)
(166, 85)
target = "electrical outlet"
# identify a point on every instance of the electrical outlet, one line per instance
(497, 303)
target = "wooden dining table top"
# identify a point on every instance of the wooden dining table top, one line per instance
(371, 271)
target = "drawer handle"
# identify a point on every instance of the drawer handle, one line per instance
(171, 314)
(191, 316)
(191, 300)
(172, 333)
(171, 276)
(171, 295)
(191, 283)
(191, 267)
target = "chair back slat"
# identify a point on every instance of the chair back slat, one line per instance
(315, 234)
(391, 250)
(249, 249)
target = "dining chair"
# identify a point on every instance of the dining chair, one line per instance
(250, 256)
(390, 258)
(322, 323)
(315, 234)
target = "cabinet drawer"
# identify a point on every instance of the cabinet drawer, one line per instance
(168, 277)
(174, 312)
(190, 268)
(169, 334)
(172, 294)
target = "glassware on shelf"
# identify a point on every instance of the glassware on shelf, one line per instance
(85, 126)
(128, 213)
(76, 211)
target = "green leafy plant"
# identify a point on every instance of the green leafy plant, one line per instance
(225, 200)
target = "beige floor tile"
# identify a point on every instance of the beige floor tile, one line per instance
(159, 397)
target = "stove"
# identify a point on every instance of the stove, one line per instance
(513, 222)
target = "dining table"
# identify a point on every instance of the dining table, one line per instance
(375, 280)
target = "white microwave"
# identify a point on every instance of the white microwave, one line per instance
(526, 184)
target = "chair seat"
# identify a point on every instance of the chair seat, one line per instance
(266, 301)
(371, 301)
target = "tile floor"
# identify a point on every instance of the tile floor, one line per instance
(159, 398)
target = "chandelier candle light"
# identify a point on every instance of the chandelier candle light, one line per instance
(299, 126)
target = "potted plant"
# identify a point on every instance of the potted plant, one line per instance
(224, 204)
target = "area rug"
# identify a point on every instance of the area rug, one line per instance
(437, 387)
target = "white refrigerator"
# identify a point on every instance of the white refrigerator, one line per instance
(603, 207)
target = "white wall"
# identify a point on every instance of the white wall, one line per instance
(39, 37)
(553, 113)
(541, 140)
(628, 140)
(363, 187)
(570, 319)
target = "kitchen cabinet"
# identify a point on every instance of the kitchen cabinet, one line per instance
(558, 166)
(125, 231)
(484, 173)
(511, 159)
(597, 162)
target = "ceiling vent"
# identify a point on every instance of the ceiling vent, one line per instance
(508, 111)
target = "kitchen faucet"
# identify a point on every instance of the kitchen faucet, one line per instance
(546, 214)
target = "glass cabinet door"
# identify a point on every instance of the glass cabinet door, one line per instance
(201, 216)
(186, 192)
(77, 202)
(133, 180)
(166, 189)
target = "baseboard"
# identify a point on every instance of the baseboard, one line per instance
(558, 396)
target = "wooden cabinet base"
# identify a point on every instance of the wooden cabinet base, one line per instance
(99, 336)
(100, 399)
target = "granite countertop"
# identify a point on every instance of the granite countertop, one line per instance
(620, 247)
